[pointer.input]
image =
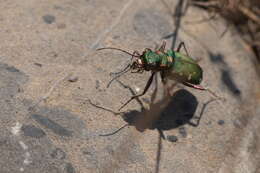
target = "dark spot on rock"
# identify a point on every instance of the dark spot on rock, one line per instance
(87, 152)
(12, 69)
(183, 132)
(37, 64)
(49, 19)
(58, 154)
(172, 138)
(73, 79)
(69, 168)
(97, 84)
(53, 126)
(32, 131)
(221, 122)
(116, 37)
(20, 90)
(228, 80)
(52, 54)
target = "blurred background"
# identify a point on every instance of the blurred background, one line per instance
(244, 15)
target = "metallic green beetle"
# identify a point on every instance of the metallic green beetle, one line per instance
(172, 65)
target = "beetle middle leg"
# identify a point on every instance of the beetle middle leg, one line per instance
(182, 44)
(147, 86)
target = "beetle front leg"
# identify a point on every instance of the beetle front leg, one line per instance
(162, 48)
(147, 86)
(135, 53)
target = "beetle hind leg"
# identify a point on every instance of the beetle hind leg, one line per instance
(182, 44)
(199, 87)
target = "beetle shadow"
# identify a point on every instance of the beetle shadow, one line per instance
(168, 113)
(179, 111)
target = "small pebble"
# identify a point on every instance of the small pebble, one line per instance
(48, 19)
(221, 122)
(172, 138)
(183, 132)
(38, 64)
(73, 79)
(97, 84)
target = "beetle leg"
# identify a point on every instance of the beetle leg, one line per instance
(199, 87)
(135, 53)
(182, 44)
(148, 84)
(163, 77)
(162, 48)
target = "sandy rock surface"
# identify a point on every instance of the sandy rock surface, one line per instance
(48, 63)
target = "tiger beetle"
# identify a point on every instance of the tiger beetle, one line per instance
(171, 64)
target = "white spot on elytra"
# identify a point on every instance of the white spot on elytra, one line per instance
(16, 129)
(21, 169)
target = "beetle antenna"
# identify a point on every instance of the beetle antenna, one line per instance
(118, 50)
(109, 134)
(119, 74)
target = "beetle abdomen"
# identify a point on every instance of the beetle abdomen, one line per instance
(185, 69)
